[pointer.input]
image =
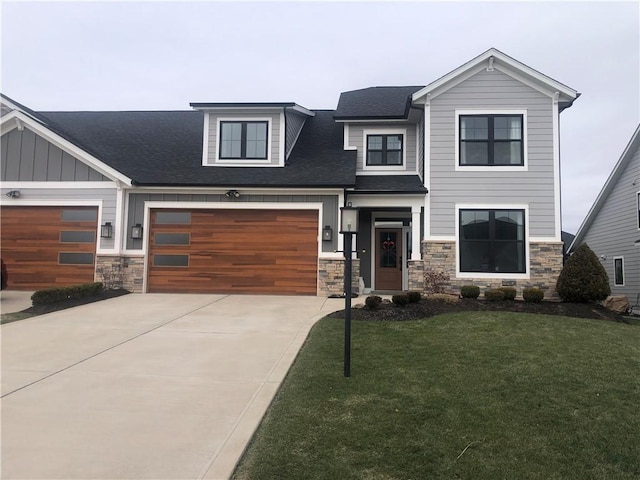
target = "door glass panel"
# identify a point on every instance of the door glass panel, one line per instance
(388, 249)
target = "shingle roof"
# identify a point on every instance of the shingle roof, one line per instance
(390, 183)
(165, 148)
(375, 102)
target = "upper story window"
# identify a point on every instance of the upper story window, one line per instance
(491, 140)
(638, 194)
(240, 140)
(384, 149)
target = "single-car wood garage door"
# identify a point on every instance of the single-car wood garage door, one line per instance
(48, 246)
(233, 251)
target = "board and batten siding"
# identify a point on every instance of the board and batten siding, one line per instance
(295, 122)
(261, 115)
(27, 157)
(356, 139)
(135, 213)
(615, 229)
(534, 187)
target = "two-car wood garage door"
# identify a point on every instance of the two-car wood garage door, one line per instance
(233, 251)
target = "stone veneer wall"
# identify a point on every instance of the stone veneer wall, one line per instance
(120, 272)
(416, 275)
(545, 263)
(331, 276)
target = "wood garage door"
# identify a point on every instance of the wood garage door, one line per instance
(234, 251)
(48, 246)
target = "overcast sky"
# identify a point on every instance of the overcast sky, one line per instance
(163, 55)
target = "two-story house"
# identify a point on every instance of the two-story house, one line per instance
(461, 175)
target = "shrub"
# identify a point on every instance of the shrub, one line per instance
(435, 282)
(509, 293)
(532, 294)
(373, 302)
(414, 297)
(400, 300)
(494, 295)
(60, 294)
(470, 291)
(583, 278)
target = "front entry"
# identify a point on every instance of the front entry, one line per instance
(388, 269)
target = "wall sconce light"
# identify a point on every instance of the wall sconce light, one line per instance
(136, 231)
(13, 194)
(232, 194)
(106, 230)
(327, 233)
(603, 257)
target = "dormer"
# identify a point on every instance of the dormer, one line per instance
(250, 134)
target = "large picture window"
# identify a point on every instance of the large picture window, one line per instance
(384, 149)
(491, 140)
(243, 140)
(492, 241)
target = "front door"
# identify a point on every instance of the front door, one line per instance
(388, 259)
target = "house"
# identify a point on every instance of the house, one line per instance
(459, 176)
(612, 226)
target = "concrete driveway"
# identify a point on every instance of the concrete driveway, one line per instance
(147, 386)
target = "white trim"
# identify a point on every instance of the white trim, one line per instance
(345, 140)
(205, 140)
(638, 211)
(61, 143)
(13, 185)
(614, 271)
(427, 167)
(387, 200)
(440, 238)
(246, 162)
(240, 188)
(544, 240)
(385, 131)
(386, 173)
(300, 109)
(506, 168)
(512, 276)
(282, 151)
(148, 205)
(417, 133)
(556, 167)
(400, 216)
(436, 92)
(119, 228)
(371, 120)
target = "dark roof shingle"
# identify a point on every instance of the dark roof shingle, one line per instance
(375, 102)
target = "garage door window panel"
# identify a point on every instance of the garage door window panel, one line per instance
(172, 239)
(170, 260)
(79, 215)
(173, 218)
(75, 258)
(77, 236)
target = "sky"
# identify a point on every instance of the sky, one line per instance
(163, 55)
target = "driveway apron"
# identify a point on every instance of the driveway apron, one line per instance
(154, 386)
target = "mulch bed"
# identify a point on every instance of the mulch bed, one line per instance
(74, 302)
(429, 307)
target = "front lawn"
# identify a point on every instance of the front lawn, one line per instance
(475, 395)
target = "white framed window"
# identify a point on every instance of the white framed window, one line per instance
(384, 149)
(618, 271)
(243, 141)
(491, 140)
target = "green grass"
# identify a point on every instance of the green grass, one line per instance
(482, 395)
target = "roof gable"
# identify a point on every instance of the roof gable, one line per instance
(623, 162)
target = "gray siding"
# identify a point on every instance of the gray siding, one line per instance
(135, 213)
(615, 229)
(27, 157)
(535, 187)
(356, 139)
(58, 196)
(295, 122)
(274, 134)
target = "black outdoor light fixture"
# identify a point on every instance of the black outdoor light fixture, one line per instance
(232, 194)
(136, 231)
(106, 230)
(327, 233)
(348, 227)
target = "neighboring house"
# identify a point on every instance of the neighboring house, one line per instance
(567, 240)
(461, 176)
(612, 226)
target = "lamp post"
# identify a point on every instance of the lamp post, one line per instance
(348, 227)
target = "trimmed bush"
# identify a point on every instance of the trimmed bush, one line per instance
(60, 294)
(470, 291)
(509, 292)
(532, 294)
(373, 302)
(400, 300)
(494, 295)
(414, 297)
(583, 278)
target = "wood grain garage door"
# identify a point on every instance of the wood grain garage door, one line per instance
(48, 246)
(234, 251)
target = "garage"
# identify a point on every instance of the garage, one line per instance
(48, 246)
(233, 251)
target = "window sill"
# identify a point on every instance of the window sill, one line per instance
(508, 276)
(497, 168)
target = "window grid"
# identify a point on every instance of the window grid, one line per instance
(491, 140)
(243, 140)
(385, 150)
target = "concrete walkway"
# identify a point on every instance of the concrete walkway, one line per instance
(146, 386)
(14, 301)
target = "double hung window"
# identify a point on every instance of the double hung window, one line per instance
(243, 140)
(491, 140)
(492, 241)
(384, 149)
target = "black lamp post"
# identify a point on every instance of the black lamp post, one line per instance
(348, 227)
